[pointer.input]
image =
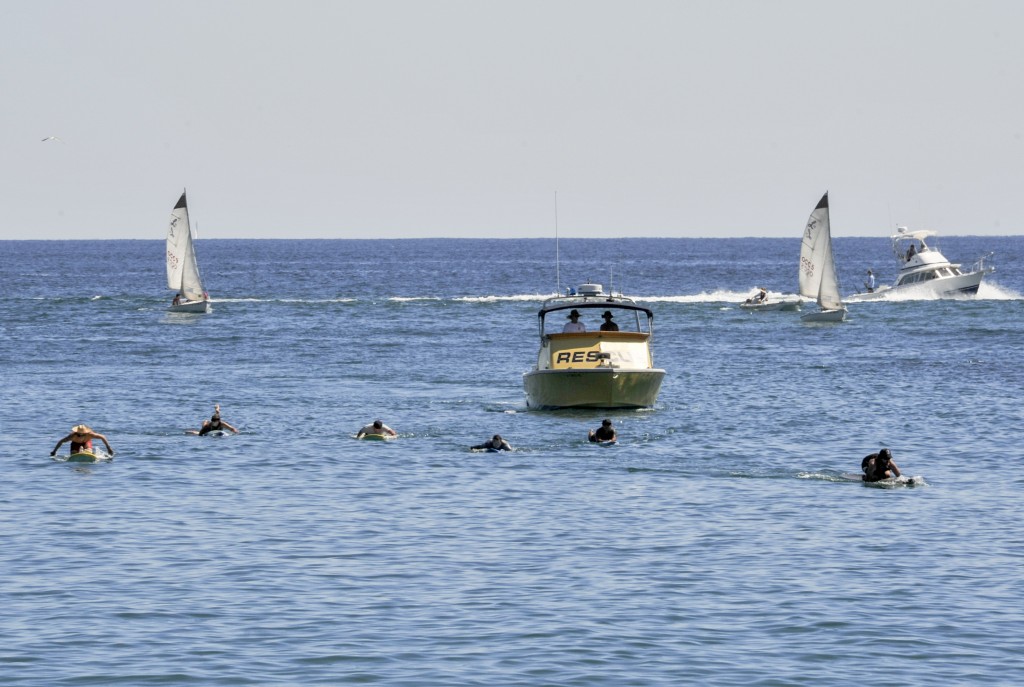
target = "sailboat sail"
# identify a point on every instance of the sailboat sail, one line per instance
(182, 269)
(817, 267)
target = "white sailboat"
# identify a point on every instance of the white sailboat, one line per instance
(182, 268)
(818, 269)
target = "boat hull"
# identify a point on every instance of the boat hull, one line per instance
(837, 315)
(593, 388)
(191, 306)
(776, 306)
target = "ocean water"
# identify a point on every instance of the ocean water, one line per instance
(716, 544)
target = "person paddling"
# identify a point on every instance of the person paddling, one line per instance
(378, 428)
(81, 440)
(496, 443)
(879, 466)
(215, 424)
(604, 433)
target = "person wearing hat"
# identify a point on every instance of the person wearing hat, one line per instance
(879, 466)
(377, 427)
(495, 444)
(215, 424)
(574, 324)
(608, 325)
(603, 433)
(81, 440)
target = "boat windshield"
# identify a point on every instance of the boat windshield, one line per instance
(593, 317)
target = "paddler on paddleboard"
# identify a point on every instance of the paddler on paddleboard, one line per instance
(495, 443)
(879, 466)
(604, 433)
(81, 440)
(215, 424)
(378, 427)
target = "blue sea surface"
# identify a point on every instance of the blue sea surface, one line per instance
(717, 544)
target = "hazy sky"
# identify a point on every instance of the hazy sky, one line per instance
(463, 118)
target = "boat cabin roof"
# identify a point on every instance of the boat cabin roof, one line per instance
(918, 235)
(597, 305)
(591, 296)
(605, 303)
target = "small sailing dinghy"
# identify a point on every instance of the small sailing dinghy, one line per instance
(182, 268)
(818, 269)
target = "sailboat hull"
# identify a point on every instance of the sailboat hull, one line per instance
(825, 316)
(192, 306)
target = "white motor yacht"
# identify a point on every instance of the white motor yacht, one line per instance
(925, 272)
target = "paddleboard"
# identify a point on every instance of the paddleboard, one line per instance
(87, 457)
(486, 450)
(376, 437)
(901, 481)
(610, 442)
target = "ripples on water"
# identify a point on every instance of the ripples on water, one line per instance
(714, 545)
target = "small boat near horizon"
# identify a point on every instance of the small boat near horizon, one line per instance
(818, 278)
(594, 368)
(182, 268)
(925, 272)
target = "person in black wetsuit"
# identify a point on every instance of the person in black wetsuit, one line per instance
(215, 424)
(879, 466)
(603, 433)
(496, 443)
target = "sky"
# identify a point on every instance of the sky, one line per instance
(459, 118)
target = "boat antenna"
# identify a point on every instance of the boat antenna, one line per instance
(558, 277)
(611, 283)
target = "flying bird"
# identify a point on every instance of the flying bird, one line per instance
(53, 138)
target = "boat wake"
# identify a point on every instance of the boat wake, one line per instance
(987, 291)
(312, 301)
(717, 296)
(829, 476)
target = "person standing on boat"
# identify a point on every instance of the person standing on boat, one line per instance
(177, 299)
(879, 466)
(574, 324)
(81, 440)
(608, 325)
(496, 443)
(603, 433)
(377, 427)
(911, 251)
(870, 283)
(215, 424)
